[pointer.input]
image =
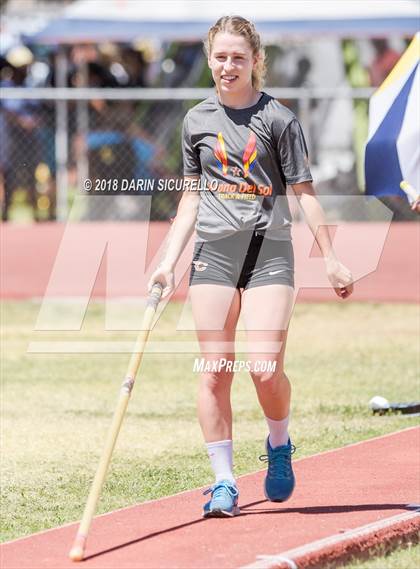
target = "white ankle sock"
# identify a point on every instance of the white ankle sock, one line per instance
(221, 459)
(279, 435)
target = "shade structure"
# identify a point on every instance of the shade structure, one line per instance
(393, 150)
(189, 20)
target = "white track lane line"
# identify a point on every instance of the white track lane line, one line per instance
(291, 557)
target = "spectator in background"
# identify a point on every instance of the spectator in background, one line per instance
(109, 152)
(116, 146)
(385, 60)
(42, 74)
(299, 79)
(97, 75)
(135, 66)
(181, 64)
(19, 142)
(4, 139)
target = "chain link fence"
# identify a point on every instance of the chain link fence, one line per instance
(49, 148)
(128, 141)
(52, 140)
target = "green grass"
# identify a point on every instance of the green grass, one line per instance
(408, 558)
(57, 408)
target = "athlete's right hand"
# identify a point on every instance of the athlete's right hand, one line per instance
(165, 276)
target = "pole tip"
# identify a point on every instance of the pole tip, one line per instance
(76, 553)
(78, 550)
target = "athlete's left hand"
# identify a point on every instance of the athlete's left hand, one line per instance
(340, 277)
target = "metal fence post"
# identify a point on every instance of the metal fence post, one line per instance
(82, 126)
(61, 137)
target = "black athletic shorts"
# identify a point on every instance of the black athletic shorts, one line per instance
(244, 259)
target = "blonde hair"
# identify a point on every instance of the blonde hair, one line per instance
(241, 27)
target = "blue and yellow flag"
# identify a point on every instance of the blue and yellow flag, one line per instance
(393, 150)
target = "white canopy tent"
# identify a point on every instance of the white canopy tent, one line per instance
(188, 20)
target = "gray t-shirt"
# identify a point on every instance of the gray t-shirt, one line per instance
(245, 158)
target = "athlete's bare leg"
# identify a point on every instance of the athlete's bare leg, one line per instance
(216, 310)
(266, 312)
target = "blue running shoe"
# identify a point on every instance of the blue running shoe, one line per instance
(280, 480)
(224, 500)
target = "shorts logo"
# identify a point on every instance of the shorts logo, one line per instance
(200, 266)
(271, 273)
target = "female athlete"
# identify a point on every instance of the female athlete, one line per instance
(241, 147)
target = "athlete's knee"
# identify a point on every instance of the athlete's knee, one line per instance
(219, 377)
(270, 380)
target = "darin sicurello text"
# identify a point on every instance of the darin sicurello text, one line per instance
(143, 185)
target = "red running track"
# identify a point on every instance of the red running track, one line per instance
(109, 259)
(337, 491)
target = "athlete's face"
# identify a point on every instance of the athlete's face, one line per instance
(231, 61)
